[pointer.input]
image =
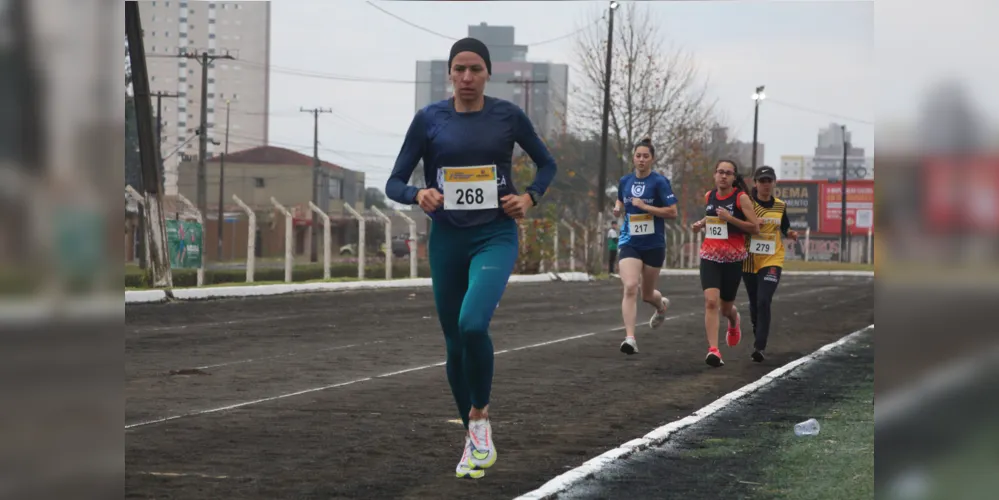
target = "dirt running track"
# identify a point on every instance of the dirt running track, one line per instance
(340, 395)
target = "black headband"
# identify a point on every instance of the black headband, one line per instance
(470, 45)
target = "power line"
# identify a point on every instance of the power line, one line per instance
(819, 112)
(447, 37)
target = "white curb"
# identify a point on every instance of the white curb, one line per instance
(206, 293)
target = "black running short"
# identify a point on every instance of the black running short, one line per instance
(652, 257)
(725, 276)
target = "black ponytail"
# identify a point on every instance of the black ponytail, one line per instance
(647, 143)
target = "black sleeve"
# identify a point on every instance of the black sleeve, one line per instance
(785, 223)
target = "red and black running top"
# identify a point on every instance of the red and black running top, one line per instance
(732, 249)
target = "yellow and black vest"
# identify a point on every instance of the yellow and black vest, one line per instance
(767, 248)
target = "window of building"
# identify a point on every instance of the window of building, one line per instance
(335, 189)
(258, 182)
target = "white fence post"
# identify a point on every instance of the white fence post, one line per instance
(251, 238)
(361, 236)
(413, 272)
(326, 239)
(388, 241)
(555, 248)
(808, 238)
(289, 255)
(586, 246)
(601, 240)
(572, 245)
(201, 250)
(139, 199)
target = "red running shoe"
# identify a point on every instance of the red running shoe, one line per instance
(714, 358)
(734, 333)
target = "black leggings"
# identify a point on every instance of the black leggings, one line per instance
(761, 288)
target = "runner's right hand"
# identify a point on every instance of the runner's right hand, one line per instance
(617, 211)
(697, 226)
(429, 199)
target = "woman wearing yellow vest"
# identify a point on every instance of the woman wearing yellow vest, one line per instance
(761, 270)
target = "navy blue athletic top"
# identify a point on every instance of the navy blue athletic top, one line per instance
(442, 137)
(655, 190)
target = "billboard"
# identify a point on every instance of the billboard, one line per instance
(961, 195)
(859, 207)
(802, 199)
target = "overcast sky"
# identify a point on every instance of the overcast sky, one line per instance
(817, 56)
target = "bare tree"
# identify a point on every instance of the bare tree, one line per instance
(655, 91)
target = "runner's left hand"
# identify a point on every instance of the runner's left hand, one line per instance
(516, 205)
(792, 235)
(638, 203)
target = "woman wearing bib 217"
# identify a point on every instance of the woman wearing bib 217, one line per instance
(646, 198)
(466, 144)
(728, 217)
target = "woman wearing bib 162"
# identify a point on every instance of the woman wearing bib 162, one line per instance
(646, 198)
(466, 144)
(728, 217)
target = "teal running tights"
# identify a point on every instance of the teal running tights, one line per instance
(470, 268)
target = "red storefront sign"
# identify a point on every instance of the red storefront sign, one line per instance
(859, 207)
(961, 194)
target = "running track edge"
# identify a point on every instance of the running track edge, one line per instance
(209, 293)
(551, 489)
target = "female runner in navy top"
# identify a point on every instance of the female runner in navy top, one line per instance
(646, 198)
(466, 145)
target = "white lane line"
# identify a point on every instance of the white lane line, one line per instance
(325, 349)
(409, 370)
(560, 483)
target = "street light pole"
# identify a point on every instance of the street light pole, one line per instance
(757, 97)
(842, 217)
(602, 185)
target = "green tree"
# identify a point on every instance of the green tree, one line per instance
(373, 197)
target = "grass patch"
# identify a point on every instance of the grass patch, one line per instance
(838, 463)
(799, 265)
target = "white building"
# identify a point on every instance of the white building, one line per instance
(802, 168)
(241, 29)
(796, 167)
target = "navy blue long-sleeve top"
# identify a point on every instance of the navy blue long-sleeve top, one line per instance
(443, 137)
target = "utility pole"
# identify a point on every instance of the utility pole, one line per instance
(315, 179)
(149, 153)
(757, 97)
(205, 59)
(141, 250)
(527, 92)
(602, 181)
(221, 217)
(842, 222)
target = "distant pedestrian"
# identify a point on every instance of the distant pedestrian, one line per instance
(612, 236)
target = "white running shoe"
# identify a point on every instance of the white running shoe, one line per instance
(483, 451)
(465, 467)
(659, 316)
(629, 346)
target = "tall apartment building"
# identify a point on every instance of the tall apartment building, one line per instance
(241, 29)
(548, 101)
(828, 159)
